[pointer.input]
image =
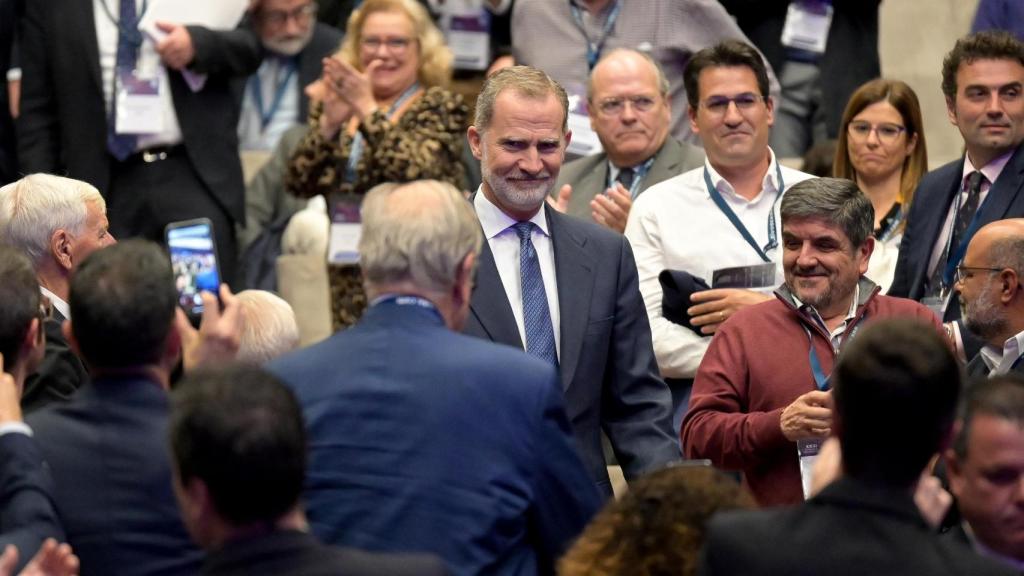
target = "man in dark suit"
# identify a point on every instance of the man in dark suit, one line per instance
(295, 44)
(426, 439)
(107, 445)
(630, 112)
(986, 466)
(565, 288)
(990, 281)
(178, 159)
(239, 446)
(895, 393)
(9, 16)
(981, 80)
(56, 222)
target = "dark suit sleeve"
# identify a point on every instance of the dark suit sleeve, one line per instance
(637, 407)
(27, 513)
(565, 497)
(59, 374)
(37, 126)
(225, 52)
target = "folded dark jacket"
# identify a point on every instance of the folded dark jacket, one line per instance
(676, 287)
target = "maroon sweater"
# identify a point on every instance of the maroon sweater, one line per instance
(757, 364)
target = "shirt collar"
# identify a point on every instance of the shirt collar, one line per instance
(850, 314)
(57, 303)
(1003, 359)
(769, 182)
(494, 221)
(991, 171)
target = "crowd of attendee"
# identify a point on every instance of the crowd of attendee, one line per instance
(677, 303)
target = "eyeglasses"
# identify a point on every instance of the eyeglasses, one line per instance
(395, 45)
(615, 106)
(719, 105)
(961, 271)
(302, 15)
(887, 133)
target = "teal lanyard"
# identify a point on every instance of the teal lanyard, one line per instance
(773, 235)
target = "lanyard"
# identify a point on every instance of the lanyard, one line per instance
(130, 30)
(256, 88)
(821, 380)
(594, 48)
(638, 175)
(356, 151)
(407, 300)
(894, 223)
(773, 235)
(954, 258)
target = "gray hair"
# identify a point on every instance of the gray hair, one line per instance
(1008, 252)
(38, 205)
(526, 81)
(269, 328)
(835, 200)
(418, 232)
(659, 74)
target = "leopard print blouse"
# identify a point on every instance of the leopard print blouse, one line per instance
(424, 143)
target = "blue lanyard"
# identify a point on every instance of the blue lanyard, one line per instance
(638, 175)
(594, 48)
(407, 300)
(356, 150)
(821, 380)
(773, 235)
(893, 225)
(131, 29)
(257, 93)
(953, 259)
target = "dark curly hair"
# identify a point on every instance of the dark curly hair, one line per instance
(657, 528)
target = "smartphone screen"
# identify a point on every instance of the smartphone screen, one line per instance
(194, 262)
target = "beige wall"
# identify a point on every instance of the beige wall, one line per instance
(914, 37)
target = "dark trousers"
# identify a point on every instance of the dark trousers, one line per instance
(145, 196)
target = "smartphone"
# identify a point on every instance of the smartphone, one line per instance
(194, 262)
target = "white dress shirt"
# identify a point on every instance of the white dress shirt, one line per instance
(1002, 361)
(57, 302)
(504, 244)
(675, 225)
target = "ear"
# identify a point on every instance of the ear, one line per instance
(463, 289)
(769, 103)
(565, 145)
(172, 347)
(911, 145)
(954, 471)
(1010, 285)
(864, 254)
(60, 248)
(692, 113)
(951, 111)
(33, 343)
(475, 142)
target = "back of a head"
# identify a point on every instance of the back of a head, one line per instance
(657, 528)
(419, 233)
(240, 431)
(269, 328)
(19, 301)
(122, 302)
(895, 388)
(36, 206)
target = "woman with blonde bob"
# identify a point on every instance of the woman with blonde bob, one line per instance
(881, 147)
(384, 115)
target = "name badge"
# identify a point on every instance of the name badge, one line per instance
(807, 24)
(138, 108)
(807, 450)
(467, 28)
(584, 140)
(346, 229)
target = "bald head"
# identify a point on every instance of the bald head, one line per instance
(991, 281)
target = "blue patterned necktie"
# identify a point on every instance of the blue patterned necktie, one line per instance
(540, 336)
(129, 39)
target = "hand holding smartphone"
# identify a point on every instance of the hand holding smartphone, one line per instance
(194, 262)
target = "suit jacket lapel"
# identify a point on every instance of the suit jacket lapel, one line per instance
(931, 228)
(574, 272)
(666, 163)
(489, 303)
(1004, 190)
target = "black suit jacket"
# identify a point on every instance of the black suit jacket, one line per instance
(609, 374)
(289, 552)
(60, 373)
(107, 448)
(850, 528)
(9, 14)
(63, 124)
(28, 512)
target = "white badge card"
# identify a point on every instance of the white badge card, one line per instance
(807, 24)
(467, 27)
(346, 228)
(807, 450)
(584, 140)
(138, 104)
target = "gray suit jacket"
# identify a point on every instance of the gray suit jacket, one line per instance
(589, 175)
(609, 375)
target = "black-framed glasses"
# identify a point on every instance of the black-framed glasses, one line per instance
(719, 105)
(887, 133)
(962, 271)
(615, 105)
(302, 15)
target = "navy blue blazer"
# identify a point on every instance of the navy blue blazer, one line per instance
(426, 440)
(28, 512)
(609, 375)
(107, 448)
(928, 212)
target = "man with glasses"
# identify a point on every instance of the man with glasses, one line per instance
(990, 281)
(630, 111)
(983, 82)
(723, 215)
(295, 45)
